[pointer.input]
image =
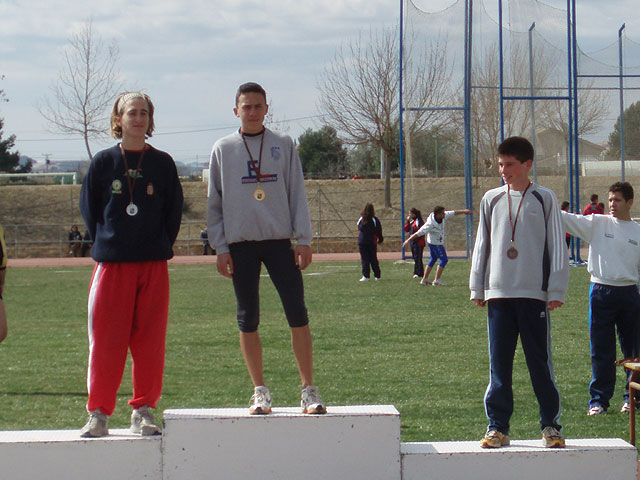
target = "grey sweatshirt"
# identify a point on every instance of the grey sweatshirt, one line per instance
(541, 269)
(233, 214)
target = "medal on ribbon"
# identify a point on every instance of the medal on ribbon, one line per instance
(512, 252)
(132, 208)
(259, 194)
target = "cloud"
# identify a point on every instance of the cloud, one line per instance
(190, 55)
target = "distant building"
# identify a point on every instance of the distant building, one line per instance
(551, 151)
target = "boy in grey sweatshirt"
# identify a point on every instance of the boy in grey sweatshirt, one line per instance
(519, 270)
(256, 205)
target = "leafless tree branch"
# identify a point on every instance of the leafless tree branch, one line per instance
(87, 84)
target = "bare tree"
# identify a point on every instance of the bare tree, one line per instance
(485, 99)
(547, 80)
(593, 108)
(86, 86)
(359, 92)
(3, 96)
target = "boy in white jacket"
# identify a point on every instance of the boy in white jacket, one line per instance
(614, 302)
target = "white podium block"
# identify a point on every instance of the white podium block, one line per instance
(355, 442)
(62, 454)
(603, 458)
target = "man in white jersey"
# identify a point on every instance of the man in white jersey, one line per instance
(520, 271)
(614, 302)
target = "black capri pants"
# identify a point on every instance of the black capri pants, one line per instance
(279, 259)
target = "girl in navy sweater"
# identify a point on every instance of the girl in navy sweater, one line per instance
(370, 235)
(131, 201)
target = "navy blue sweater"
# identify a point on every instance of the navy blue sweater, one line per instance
(149, 235)
(370, 232)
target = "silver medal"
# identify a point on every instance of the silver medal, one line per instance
(132, 209)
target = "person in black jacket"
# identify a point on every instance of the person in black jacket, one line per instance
(75, 241)
(3, 272)
(131, 202)
(370, 235)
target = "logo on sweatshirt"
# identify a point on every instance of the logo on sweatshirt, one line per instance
(275, 153)
(253, 178)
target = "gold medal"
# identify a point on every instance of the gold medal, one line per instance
(259, 194)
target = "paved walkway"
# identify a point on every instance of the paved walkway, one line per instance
(187, 260)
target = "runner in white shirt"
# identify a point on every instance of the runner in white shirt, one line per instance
(434, 229)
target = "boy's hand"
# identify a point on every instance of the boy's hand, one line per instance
(303, 256)
(554, 304)
(224, 264)
(478, 302)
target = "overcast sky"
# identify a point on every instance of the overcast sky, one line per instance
(190, 56)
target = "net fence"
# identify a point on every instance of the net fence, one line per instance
(536, 43)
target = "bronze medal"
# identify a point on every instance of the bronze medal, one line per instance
(512, 252)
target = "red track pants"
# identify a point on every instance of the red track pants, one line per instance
(128, 310)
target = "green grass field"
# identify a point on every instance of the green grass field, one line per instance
(422, 349)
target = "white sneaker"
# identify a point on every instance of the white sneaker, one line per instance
(96, 426)
(142, 422)
(417, 276)
(425, 282)
(377, 278)
(311, 402)
(364, 279)
(626, 407)
(596, 410)
(438, 283)
(260, 401)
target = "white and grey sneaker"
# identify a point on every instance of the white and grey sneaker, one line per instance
(260, 401)
(96, 426)
(311, 402)
(142, 422)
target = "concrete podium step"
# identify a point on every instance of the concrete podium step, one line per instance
(601, 458)
(356, 442)
(351, 442)
(62, 454)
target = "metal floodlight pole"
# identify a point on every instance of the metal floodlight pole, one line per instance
(622, 152)
(400, 116)
(532, 102)
(501, 57)
(575, 130)
(468, 50)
